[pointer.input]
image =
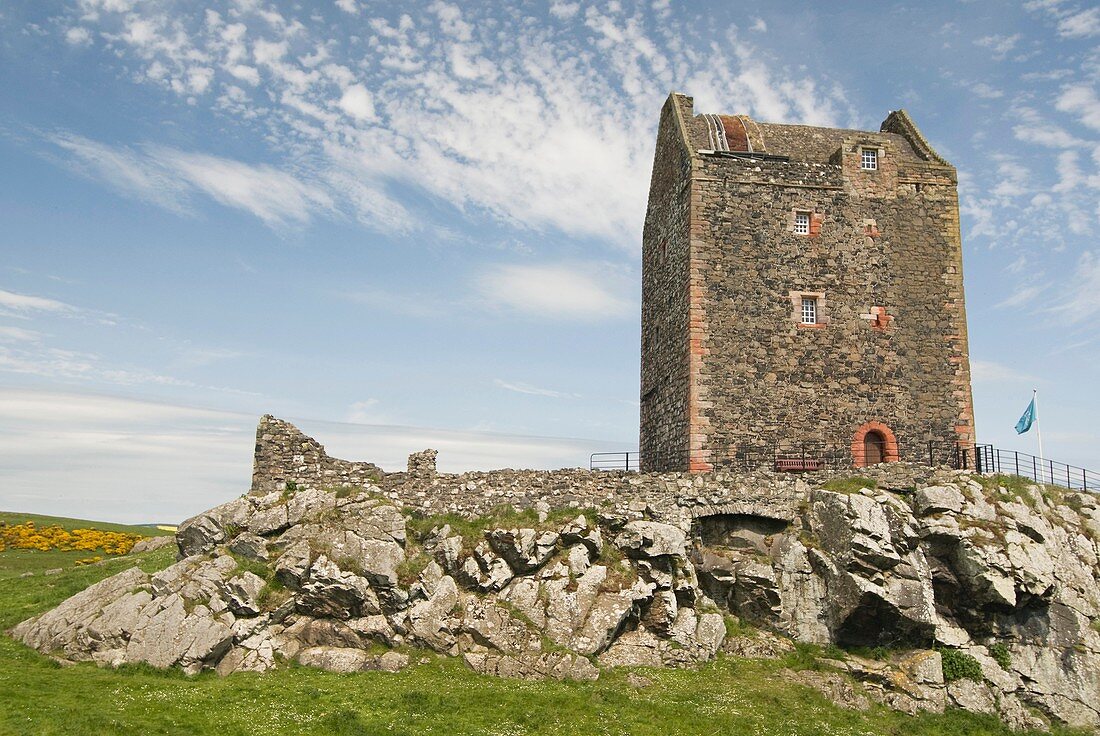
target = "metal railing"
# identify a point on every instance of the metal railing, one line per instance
(955, 455)
(614, 461)
(1040, 470)
(791, 456)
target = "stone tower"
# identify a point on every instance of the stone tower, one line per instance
(801, 288)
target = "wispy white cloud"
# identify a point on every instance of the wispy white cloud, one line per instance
(564, 10)
(1072, 21)
(554, 291)
(1078, 302)
(365, 412)
(985, 91)
(406, 303)
(77, 366)
(357, 102)
(1083, 24)
(13, 334)
(10, 302)
(128, 171)
(1082, 101)
(78, 36)
(999, 44)
(272, 195)
(196, 356)
(525, 388)
(987, 371)
(1020, 297)
(170, 178)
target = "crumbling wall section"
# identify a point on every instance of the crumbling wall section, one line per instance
(284, 455)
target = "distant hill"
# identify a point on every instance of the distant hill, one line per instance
(147, 530)
(17, 562)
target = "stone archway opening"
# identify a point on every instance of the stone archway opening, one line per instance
(874, 448)
(872, 444)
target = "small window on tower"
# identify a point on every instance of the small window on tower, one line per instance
(868, 159)
(809, 310)
(802, 223)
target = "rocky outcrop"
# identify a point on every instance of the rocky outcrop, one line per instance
(152, 543)
(958, 569)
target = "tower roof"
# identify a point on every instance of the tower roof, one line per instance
(806, 143)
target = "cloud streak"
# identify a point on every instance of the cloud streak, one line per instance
(525, 388)
(11, 301)
(554, 291)
(171, 178)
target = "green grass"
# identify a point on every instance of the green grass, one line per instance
(1007, 487)
(855, 484)
(12, 518)
(1003, 487)
(15, 562)
(505, 516)
(737, 628)
(21, 598)
(439, 696)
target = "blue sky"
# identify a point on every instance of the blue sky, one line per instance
(428, 216)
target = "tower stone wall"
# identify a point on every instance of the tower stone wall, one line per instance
(745, 220)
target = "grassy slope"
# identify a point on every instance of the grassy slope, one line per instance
(15, 562)
(729, 696)
(14, 517)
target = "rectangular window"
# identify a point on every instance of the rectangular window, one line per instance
(809, 310)
(802, 223)
(868, 159)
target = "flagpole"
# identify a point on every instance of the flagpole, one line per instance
(1039, 433)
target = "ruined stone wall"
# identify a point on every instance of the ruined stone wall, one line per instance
(665, 258)
(285, 455)
(883, 259)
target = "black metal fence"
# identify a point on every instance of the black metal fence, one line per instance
(614, 461)
(954, 455)
(813, 456)
(990, 459)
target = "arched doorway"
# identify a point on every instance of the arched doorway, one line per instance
(874, 448)
(872, 444)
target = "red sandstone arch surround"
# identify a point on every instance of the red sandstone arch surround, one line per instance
(890, 443)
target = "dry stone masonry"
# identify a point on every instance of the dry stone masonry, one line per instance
(562, 574)
(746, 220)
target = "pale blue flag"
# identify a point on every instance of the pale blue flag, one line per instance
(1027, 419)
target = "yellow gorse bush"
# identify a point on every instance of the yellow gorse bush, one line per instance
(29, 536)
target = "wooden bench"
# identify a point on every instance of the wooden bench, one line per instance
(799, 464)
